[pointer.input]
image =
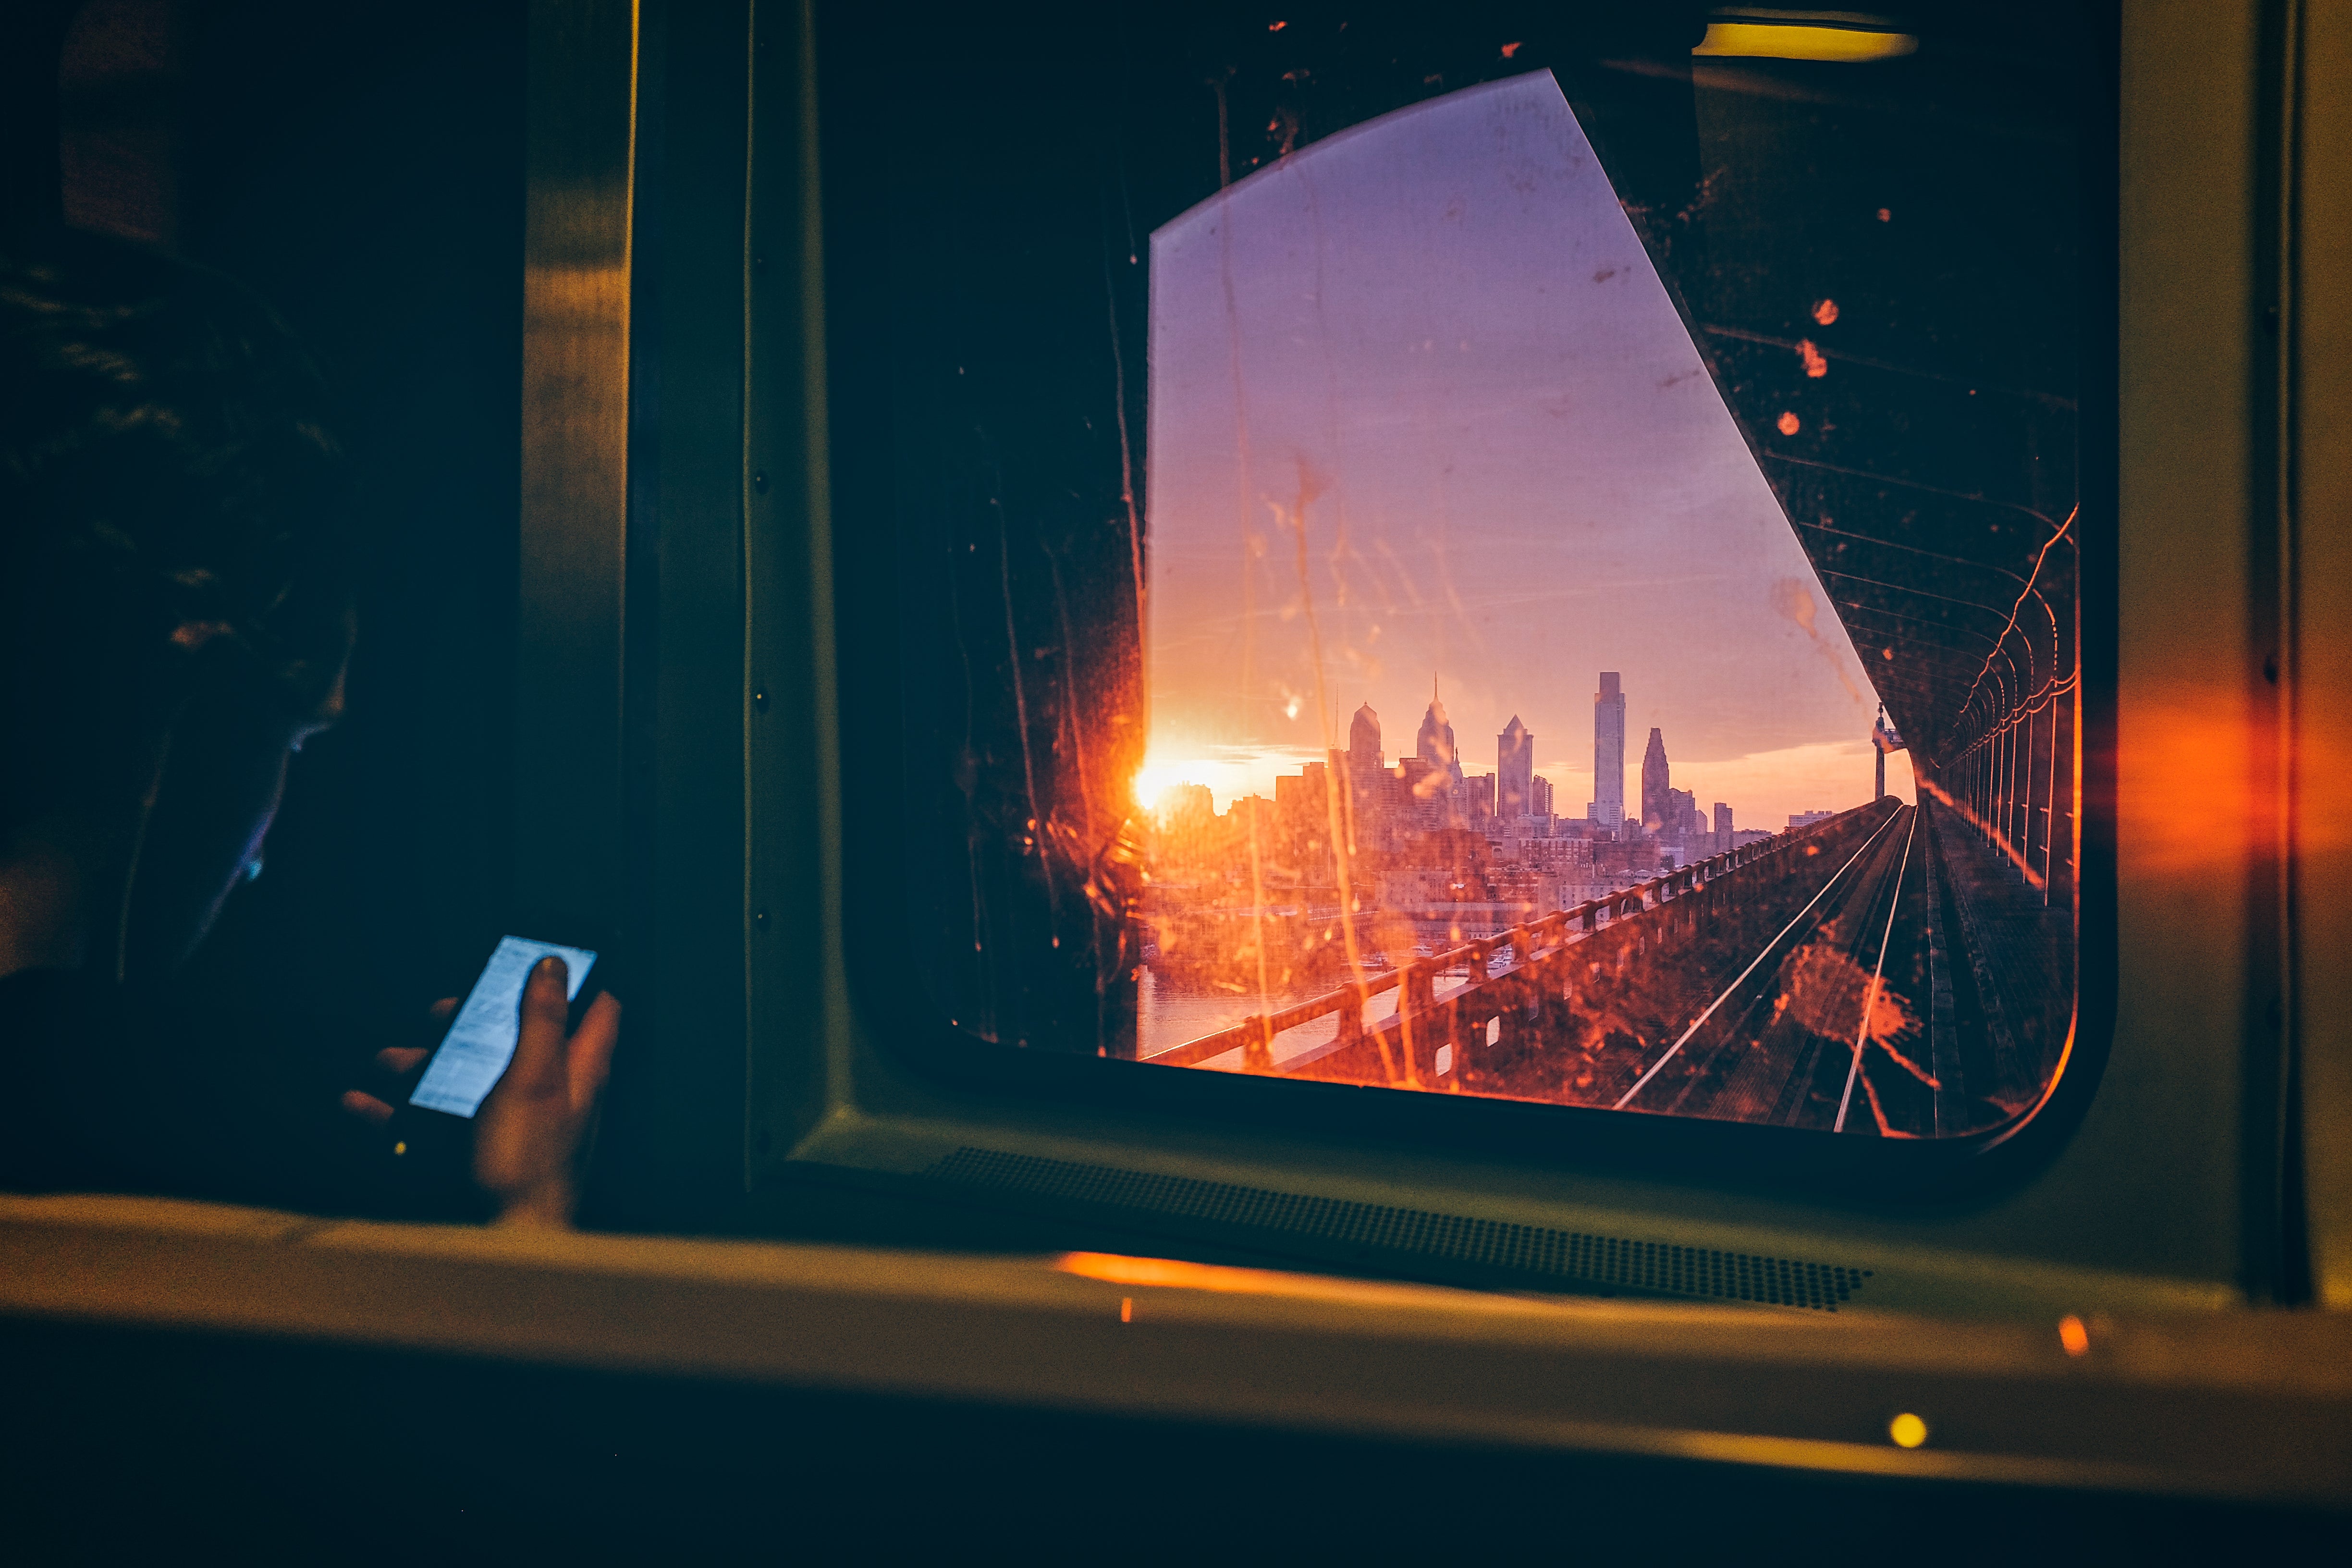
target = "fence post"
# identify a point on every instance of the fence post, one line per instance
(1417, 1017)
(1351, 1016)
(1519, 990)
(1416, 989)
(1257, 1045)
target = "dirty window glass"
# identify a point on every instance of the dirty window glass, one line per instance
(1529, 554)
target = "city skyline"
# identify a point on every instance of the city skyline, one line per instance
(1766, 790)
(1420, 404)
(1703, 782)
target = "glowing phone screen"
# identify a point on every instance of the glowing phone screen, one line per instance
(481, 1040)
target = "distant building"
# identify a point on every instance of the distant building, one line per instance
(1476, 798)
(1683, 819)
(1631, 858)
(1657, 805)
(1186, 802)
(1441, 865)
(1607, 804)
(1426, 792)
(1302, 793)
(1369, 785)
(1437, 783)
(1538, 794)
(1515, 770)
(1302, 814)
(1558, 854)
(1559, 872)
(1807, 818)
(1723, 822)
(1436, 741)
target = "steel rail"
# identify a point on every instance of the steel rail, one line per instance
(1643, 1082)
(1870, 1002)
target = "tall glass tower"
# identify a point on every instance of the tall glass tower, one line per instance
(1608, 808)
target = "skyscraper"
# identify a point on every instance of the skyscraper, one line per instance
(1368, 783)
(1434, 745)
(1657, 806)
(1608, 806)
(1515, 770)
(1723, 822)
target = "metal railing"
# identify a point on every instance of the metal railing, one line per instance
(1535, 942)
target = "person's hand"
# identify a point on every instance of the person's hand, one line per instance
(397, 1062)
(527, 1138)
(527, 1135)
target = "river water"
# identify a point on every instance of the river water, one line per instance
(1171, 1012)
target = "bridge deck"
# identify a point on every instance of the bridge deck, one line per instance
(1888, 976)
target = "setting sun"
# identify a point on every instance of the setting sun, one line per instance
(1155, 779)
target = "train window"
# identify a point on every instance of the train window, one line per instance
(1278, 407)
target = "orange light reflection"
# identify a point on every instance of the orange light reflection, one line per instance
(1116, 1270)
(1175, 1274)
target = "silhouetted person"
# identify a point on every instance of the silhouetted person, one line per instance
(175, 619)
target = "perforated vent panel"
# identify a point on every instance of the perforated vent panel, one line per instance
(1540, 1255)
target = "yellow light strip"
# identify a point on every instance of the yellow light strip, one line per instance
(1795, 41)
(1170, 1273)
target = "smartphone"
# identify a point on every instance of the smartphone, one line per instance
(473, 1056)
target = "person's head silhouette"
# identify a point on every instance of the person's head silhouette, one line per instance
(175, 596)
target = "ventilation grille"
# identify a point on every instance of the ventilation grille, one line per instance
(1530, 1251)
